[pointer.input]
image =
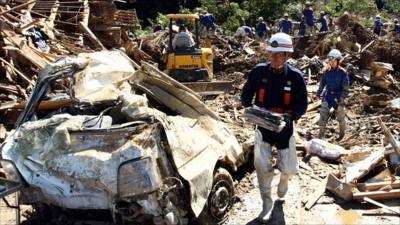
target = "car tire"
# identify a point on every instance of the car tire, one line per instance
(220, 199)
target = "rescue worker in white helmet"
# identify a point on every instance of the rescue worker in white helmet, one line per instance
(333, 89)
(396, 26)
(278, 87)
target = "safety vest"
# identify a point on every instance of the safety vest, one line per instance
(286, 98)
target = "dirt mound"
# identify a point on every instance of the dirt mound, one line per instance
(351, 26)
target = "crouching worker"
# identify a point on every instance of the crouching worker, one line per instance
(278, 87)
(333, 88)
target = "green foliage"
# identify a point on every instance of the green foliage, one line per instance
(295, 11)
(392, 6)
(226, 14)
(270, 10)
(160, 18)
(143, 32)
(184, 11)
(365, 8)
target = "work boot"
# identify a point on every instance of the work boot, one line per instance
(267, 205)
(264, 182)
(341, 116)
(342, 128)
(283, 186)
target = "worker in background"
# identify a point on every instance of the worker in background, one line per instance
(396, 27)
(308, 14)
(243, 33)
(324, 22)
(302, 26)
(278, 87)
(207, 22)
(182, 39)
(158, 26)
(286, 25)
(261, 29)
(333, 89)
(377, 27)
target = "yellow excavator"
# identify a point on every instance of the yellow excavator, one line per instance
(193, 66)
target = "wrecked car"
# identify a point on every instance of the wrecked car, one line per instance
(124, 139)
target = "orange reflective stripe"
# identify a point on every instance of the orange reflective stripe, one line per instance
(280, 110)
(261, 94)
(277, 110)
(287, 98)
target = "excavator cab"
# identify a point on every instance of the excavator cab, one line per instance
(193, 65)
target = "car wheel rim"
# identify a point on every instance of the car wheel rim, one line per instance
(221, 199)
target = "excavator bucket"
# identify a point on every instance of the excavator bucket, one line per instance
(211, 88)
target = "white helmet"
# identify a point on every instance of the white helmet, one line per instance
(335, 54)
(280, 42)
(260, 18)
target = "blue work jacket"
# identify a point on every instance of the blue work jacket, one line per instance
(261, 29)
(324, 24)
(208, 21)
(334, 85)
(309, 16)
(286, 26)
(269, 89)
(396, 28)
(377, 26)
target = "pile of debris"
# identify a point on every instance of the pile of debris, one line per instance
(35, 33)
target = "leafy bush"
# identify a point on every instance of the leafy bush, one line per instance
(336, 8)
(392, 6)
(226, 14)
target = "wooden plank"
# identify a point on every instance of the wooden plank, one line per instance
(389, 135)
(360, 169)
(376, 195)
(8, 105)
(380, 205)
(91, 36)
(376, 186)
(18, 72)
(9, 88)
(249, 51)
(316, 194)
(24, 50)
(3, 132)
(29, 54)
(17, 7)
(58, 21)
